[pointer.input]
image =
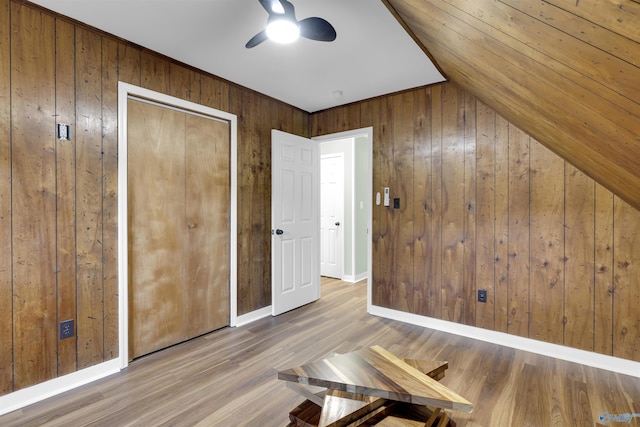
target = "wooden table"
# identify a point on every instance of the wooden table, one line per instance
(372, 387)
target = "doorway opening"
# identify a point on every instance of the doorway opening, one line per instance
(356, 149)
(332, 212)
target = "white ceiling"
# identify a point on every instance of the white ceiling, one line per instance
(371, 56)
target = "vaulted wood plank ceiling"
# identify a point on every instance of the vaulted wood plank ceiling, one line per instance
(565, 71)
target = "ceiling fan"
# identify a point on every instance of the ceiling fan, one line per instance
(282, 26)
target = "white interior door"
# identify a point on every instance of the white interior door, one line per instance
(295, 243)
(332, 215)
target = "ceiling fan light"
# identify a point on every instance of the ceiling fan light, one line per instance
(276, 7)
(283, 31)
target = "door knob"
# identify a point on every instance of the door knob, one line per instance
(337, 224)
(279, 232)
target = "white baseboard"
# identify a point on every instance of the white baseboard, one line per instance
(27, 396)
(21, 398)
(601, 361)
(253, 316)
(354, 279)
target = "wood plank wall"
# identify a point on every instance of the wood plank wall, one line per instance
(485, 206)
(564, 71)
(58, 199)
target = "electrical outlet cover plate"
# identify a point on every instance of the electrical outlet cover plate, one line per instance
(66, 329)
(482, 295)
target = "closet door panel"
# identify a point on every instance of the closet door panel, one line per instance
(208, 208)
(157, 227)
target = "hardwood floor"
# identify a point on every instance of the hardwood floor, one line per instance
(228, 378)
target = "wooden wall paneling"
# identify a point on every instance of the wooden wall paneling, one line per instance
(300, 123)
(619, 16)
(387, 125)
(604, 270)
(547, 245)
(323, 123)
(340, 119)
(179, 81)
(370, 117)
(460, 41)
(580, 226)
(366, 116)
(154, 72)
(453, 212)
(90, 328)
(518, 264)
(422, 213)
(245, 176)
(270, 117)
(320, 123)
(402, 187)
(33, 195)
(282, 117)
(435, 291)
(485, 273)
(565, 80)
(261, 195)
(110, 195)
(470, 207)
(6, 294)
(260, 118)
(501, 240)
(527, 206)
(195, 84)
(334, 119)
(244, 208)
(98, 61)
(354, 116)
(66, 192)
(305, 123)
(626, 327)
(586, 65)
(214, 93)
(368, 112)
(184, 83)
(602, 38)
(129, 64)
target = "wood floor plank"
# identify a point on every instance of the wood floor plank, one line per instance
(228, 378)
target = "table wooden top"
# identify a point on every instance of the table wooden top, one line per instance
(374, 371)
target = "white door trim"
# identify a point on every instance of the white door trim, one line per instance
(367, 132)
(126, 90)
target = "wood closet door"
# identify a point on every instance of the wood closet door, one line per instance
(178, 201)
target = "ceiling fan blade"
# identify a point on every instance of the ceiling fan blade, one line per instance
(317, 29)
(257, 39)
(267, 5)
(289, 10)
